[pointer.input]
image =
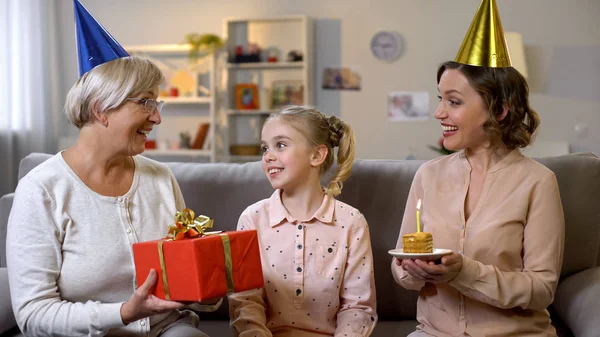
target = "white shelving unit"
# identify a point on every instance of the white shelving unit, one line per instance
(273, 35)
(183, 113)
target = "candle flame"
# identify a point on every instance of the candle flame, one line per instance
(419, 204)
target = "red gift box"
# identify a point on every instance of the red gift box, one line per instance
(201, 268)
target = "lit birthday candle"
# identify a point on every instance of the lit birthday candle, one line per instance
(419, 216)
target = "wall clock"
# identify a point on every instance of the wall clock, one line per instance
(387, 45)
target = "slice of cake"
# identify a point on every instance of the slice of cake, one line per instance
(420, 242)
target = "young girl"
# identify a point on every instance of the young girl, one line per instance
(316, 251)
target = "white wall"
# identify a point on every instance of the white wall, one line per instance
(433, 31)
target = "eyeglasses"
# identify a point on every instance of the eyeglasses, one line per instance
(149, 104)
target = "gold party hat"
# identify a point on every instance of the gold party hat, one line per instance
(484, 45)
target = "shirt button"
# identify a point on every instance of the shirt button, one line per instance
(129, 232)
(298, 292)
(119, 199)
(461, 302)
(299, 269)
(462, 227)
(300, 227)
(299, 246)
(143, 323)
(460, 251)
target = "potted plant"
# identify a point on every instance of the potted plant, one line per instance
(202, 44)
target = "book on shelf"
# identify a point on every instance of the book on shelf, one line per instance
(200, 138)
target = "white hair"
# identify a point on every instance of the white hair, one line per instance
(106, 87)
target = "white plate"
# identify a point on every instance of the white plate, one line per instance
(436, 254)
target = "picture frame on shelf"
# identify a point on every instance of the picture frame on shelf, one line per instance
(246, 96)
(287, 92)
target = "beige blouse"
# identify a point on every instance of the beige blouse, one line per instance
(512, 247)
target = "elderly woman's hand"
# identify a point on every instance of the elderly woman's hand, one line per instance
(434, 273)
(142, 304)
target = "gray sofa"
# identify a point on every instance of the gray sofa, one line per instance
(379, 189)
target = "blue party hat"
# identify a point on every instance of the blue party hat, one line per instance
(94, 44)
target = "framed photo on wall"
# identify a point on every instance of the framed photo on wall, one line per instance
(408, 106)
(286, 93)
(246, 96)
(343, 78)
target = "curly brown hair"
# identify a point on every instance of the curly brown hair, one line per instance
(499, 87)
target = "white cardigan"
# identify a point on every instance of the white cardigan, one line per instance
(69, 255)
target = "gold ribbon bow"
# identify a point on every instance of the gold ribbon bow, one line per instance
(187, 227)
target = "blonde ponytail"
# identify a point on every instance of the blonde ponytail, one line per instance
(345, 159)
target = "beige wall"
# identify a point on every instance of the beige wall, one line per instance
(433, 31)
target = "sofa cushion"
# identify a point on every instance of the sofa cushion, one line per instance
(578, 178)
(577, 302)
(221, 191)
(379, 189)
(30, 161)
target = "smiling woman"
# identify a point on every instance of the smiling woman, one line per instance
(487, 192)
(100, 182)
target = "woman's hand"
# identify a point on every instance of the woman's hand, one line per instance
(431, 272)
(142, 304)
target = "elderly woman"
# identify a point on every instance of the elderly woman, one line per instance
(76, 215)
(499, 212)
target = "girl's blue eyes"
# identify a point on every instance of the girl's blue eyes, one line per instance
(278, 146)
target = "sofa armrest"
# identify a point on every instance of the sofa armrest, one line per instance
(576, 302)
(7, 318)
(6, 202)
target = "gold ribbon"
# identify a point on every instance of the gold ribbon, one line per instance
(163, 269)
(228, 263)
(187, 227)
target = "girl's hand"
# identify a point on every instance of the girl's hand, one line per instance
(434, 273)
(142, 304)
